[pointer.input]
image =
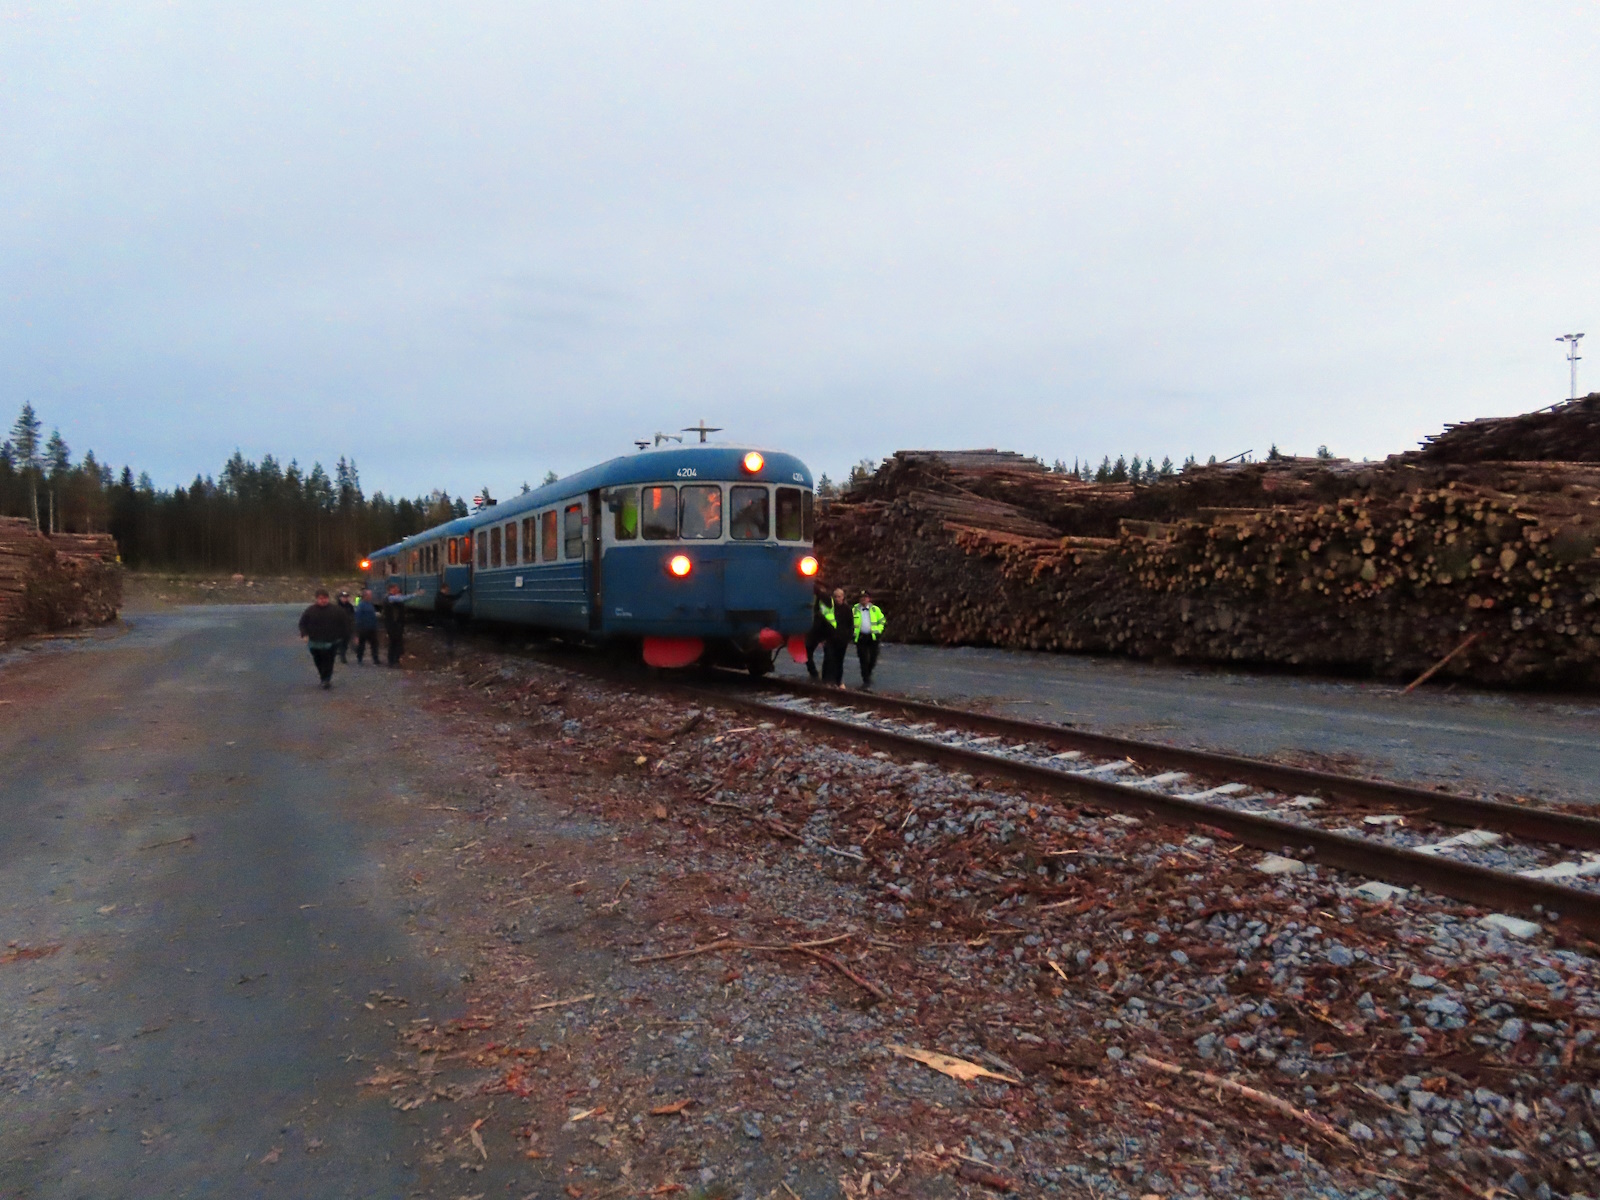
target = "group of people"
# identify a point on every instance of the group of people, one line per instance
(329, 626)
(834, 626)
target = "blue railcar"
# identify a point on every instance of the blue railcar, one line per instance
(691, 553)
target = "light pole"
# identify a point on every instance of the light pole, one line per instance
(1573, 357)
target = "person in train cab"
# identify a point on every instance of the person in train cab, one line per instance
(323, 624)
(823, 620)
(365, 621)
(343, 648)
(866, 626)
(837, 641)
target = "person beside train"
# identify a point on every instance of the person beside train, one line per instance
(444, 615)
(365, 622)
(394, 621)
(866, 627)
(323, 625)
(823, 621)
(837, 641)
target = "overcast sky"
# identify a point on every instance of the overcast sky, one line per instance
(467, 243)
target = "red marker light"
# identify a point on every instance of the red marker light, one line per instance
(808, 566)
(753, 462)
(680, 565)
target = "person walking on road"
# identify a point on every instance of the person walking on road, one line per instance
(837, 642)
(323, 625)
(867, 626)
(343, 648)
(366, 626)
(823, 621)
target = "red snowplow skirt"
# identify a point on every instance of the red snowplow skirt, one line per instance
(672, 652)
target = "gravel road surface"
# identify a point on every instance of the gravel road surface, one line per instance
(195, 910)
(1500, 743)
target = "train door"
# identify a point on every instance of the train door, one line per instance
(595, 543)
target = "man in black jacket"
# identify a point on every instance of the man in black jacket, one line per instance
(837, 642)
(822, 623)
(394, 622)
(324, 626)
(343, 648)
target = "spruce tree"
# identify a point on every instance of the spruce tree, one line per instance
(25, 439)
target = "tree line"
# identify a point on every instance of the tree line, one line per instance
(254, 517)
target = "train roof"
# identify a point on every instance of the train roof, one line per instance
(713, 461)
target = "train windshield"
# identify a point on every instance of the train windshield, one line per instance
(791, 524)
(660, 513)
(700, 513)
(748, 516)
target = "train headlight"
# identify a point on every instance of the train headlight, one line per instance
(753, 462)
(680, 565)
(366, 565)
(808, 566)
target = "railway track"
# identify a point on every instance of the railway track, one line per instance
(1349, 792)
(1293, 812)
(1121, 775)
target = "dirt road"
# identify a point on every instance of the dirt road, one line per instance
(191, 847)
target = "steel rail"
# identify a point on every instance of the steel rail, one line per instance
(1447, 808)
(1467, 882)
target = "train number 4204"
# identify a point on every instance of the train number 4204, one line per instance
(688, 473)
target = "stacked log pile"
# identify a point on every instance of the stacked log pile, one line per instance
(1378, 569)
(1568, 432)
(51, 583)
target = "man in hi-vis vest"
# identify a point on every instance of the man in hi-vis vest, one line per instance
(867, 627)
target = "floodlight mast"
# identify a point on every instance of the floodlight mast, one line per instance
(1573, 357)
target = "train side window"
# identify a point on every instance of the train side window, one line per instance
(574, 531)
(453, 552)
(494, 547)
(416, 567)
(791, 521)
(483, 551)
(808, 516)
(660, 513)
(530, 536)
(549, 537)
(511, 544)
(624, 505)
(466, 548)
(749, 513)
(700, 518)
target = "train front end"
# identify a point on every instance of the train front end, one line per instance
(709, 557)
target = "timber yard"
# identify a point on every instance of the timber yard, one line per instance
(1229, 832)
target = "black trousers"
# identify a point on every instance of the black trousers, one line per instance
(867, 656)
(364, 639)
(833, 661)
(397, 643)
(342, 649)
(323, 657)
(814, 638)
